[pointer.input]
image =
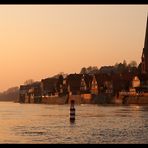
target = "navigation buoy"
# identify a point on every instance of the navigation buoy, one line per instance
(72, 111)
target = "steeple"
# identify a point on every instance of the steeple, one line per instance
(144, 57)
(145, 50)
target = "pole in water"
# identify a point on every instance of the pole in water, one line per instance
(72, 111)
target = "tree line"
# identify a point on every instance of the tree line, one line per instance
(117, 68)
(12, 94)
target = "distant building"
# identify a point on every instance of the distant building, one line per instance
(49, 87)
(34, 93)
(135, 82)
(122, 82)
(94, 86)
(101, 83)
(23, 93)
(86, 82)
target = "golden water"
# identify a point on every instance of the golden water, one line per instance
(39, 123)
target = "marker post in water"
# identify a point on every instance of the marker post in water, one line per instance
(72, 111)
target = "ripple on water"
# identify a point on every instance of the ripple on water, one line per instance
(94, 124)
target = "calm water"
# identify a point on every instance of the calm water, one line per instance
(31, 123)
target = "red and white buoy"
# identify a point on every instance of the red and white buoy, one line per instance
(72, 111)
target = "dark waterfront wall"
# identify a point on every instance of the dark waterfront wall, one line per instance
(103, 99)
(54, 100)
(128, 100)
(136, 100)
(79, 99)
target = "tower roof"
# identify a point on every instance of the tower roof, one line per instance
(146, 38)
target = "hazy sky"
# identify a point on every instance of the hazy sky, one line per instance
(38, 41)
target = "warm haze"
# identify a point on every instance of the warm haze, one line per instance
(38, 41)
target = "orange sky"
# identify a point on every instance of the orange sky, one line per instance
(38, 41)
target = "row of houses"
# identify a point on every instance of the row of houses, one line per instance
(82, 87)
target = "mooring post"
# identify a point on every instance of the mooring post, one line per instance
(72, 111)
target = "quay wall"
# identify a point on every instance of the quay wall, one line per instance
(96, 99)
(140, 100)
(54, 100)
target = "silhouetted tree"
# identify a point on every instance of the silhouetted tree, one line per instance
(133, 64)
(11, 94)
(12, 89)
(83, 70)
(107, 69)
(29, 81)
(89, 69)
(61, 79)
(120, 68)
(116, 65)
(60, 74)
(125, 63)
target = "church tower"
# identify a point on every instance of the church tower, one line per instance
(144, 58)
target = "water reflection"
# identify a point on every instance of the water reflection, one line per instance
(72, 122)
(21, 123)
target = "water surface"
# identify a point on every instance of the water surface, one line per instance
(39, 123)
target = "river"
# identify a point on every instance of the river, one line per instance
(40, 123)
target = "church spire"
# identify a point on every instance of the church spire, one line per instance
(146, 37)
(144, 57)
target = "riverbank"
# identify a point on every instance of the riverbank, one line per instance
(54, 100)
(97, 99)
(127, 100)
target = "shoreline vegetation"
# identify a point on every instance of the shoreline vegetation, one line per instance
(12, 94)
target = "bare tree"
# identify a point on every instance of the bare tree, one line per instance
(29, 81)
(83, 70)
(125, 63)
(133, 64)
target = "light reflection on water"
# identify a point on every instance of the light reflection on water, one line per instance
(38, 123)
